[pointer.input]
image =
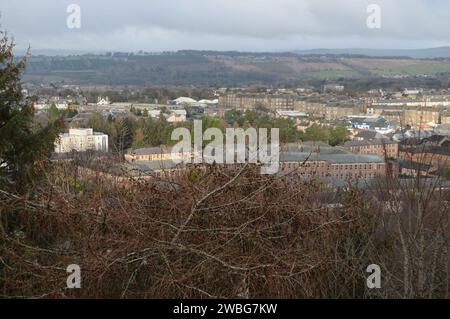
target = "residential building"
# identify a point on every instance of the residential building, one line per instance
(412, 169)
(437, 157)
(81, 140)
(393, 115)
(251, 101)
(421, 117)
(313, 107)
(309, 159)
(367, 135)
(381, 147)
(334, 112)
(157, 154)
(429, 102)
(338, 166)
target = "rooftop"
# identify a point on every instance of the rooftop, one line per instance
(145, 166)
(368, 143)
(332, 158)
(152, 150)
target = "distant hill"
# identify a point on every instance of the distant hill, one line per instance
(52, 52)
(213, 68)
(442, 52)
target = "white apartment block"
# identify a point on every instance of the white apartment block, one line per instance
(81, 140)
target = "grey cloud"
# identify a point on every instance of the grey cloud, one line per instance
(226, 24)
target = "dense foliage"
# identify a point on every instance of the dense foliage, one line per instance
(24, 146)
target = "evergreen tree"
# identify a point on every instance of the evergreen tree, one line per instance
(24, 146)
(53, 112)
(124, 136)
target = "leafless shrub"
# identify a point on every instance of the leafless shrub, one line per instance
(219, 233)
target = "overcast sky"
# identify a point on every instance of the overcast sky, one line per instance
(249, 25)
